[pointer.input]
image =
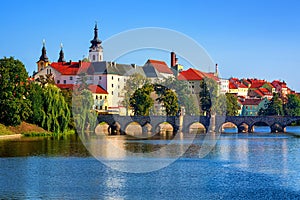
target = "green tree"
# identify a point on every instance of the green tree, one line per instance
(56, 113)
(208, 95)
(170, 101)
(35, 95)
(68, 94)
(232, 105)
(274, 107)
(185, 98)
(82, 81)
(14, 107)
(141, 102)
(134, 82)
(219, 105)
(84, 116)
(292, 107)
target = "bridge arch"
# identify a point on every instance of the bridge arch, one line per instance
(196, 127)
(133, 128)
(277, 128)
(260, 124)
(232, 127)
(164, 128)
(102, 129)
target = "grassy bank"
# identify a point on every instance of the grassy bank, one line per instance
(30, 130)
(5, 130)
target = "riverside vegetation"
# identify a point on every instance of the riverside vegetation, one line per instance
(28, 107)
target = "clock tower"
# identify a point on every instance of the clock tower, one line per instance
(96, 50)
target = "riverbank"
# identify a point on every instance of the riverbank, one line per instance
(28, 130)
(10, 137)
(24, 129)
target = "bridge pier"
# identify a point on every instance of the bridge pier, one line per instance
(243, 128)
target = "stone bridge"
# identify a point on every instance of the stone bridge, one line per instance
(118, 124)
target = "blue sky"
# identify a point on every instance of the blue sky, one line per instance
(246, 38)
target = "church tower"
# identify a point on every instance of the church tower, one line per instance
(61, 55)
(96, 50)
(44, 60)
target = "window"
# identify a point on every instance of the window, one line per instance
(112, 85)
(112, 92)
(94, 57)
(105, 97)
(118, 79)
(71, 78)
(118, 86)
(96, 96)
(105, 107)
(50, 71)
(96, 107)
(100, 107)
(65, 82)
(99, 77)
(112, 77)
(100, 96)
(58, 81)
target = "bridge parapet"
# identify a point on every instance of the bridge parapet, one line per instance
(276, 123)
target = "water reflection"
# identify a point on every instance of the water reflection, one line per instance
(253, 166)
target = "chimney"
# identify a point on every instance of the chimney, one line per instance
(217, 71)
(133, 66)
(173, 59)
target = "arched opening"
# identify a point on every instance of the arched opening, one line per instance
(164, 128)
(197, 128)
(277, 128)
(293, 127)
(102, 129)
(134, 129)
(260, 127)
(228, 127)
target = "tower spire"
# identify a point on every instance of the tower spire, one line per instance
(44, 56)
(95, 42)
(61, 54)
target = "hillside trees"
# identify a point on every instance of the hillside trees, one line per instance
(14, 107)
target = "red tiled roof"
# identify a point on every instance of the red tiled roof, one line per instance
(277, 82)
(251, 101)
(66, 86)
(93, 88)
(195, 75)
(265, 91)
(246, 82)
(97, 89)
(232, 86)
(241, 85)
(160, 66)
(67, 68)
(257, 84)
(259, 92)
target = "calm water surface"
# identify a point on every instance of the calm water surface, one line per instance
(241, 166)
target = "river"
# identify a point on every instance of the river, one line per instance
(240, 166)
